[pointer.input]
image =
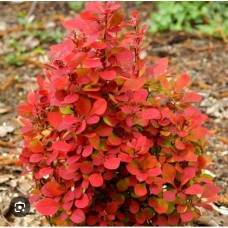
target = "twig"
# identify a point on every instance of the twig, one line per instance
(9, 81)
(32, 9)
(5, 220)
(205, 48)
(11, 161)
(223, 139)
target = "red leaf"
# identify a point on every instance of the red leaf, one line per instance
(134, 207)
(52, 188)
(111, 121)
(98, 45)
(133, 168)
(40, 81)
(140, 218)
(25, 110)
(182, 208)
(76, 23)
(168, 173)
(192, 97)
(31, 98)
(83, 105)
(77, 216)
(141, 176)
(114, 140)
(140, 189)
(140, 95)
(112, 208)
(89, 15)
(181, 82)
(82, 127)
(69, 119)
(96, 180)
(74, 59)
(125, 57)
(149, 162)
(71, 98)
(112, 163)
(199, 133)
(91, 220)
(73, 167)
(61, 146)
(36, 146)
(93, 120)
(161, 206)
(86, 167)
(60, 51)
(162, 221)
(188, 174)
(150, 113)
(160, 67)
(99, 107)
(173, 219)
(87, 151)
(94, 142)
(154, 172)
(35, 158)
(148, 213)
(82, 202)
(103, 130)
(61, 83)
(201, 162)
(210, 190)
(194, 190)
(122, 185)
(92, 63)
(169, 196)
(52, 157)
(54, 118)
(45, 171)
(187, 216)
(47, 206)
(108, 75)
(133, 84)
(116, 19)
(179, 145)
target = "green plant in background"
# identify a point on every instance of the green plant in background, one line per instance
(207, 17)
(14, 58)
(138, 3)
(42, 35)
(76, 5)
(31, 29)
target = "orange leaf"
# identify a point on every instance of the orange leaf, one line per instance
(94, 141)
(181, 82)
(169, 173)
(133, 84)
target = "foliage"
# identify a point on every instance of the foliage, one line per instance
(76, 5)
(207, 17)
(111, 139)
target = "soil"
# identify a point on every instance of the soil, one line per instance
(204, 58)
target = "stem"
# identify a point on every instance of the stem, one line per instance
(105, 36)
(135, 68)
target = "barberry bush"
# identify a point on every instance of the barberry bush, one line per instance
(109, 138)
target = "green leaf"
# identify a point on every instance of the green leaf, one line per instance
(67, 110)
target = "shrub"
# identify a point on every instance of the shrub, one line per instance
(109, 138)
